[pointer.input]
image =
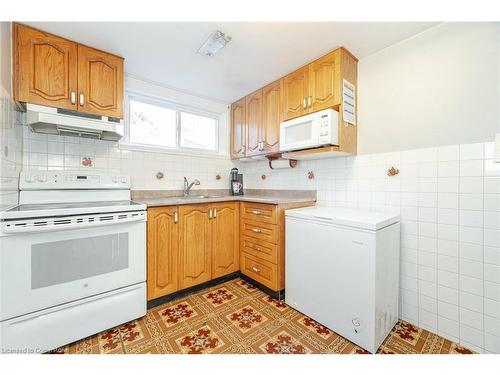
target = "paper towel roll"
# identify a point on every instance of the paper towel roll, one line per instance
(282, 164)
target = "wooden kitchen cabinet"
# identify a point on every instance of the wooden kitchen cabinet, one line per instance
(56, 72)
(262, 242)
(324, 81)
(195, 245)
(162, 251)
(225, 238)
(253, 111)
(238, 129)
(294, 93)
(271, 116)
(45, 68)
(311, 88)
(100, 82)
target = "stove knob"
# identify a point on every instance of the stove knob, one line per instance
(124, 180)
(42, 178)
(115, 179)
(29, 178)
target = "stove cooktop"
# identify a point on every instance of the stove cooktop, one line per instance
(23, 211)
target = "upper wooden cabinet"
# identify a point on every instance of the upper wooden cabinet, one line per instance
(311, 88)
(253, 123)
(323, 83)
(100, 82)
(294, 93)
(45, 68)
(271, 115)
(238, 129)
(53, 71)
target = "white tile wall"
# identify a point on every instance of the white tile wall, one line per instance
(46, 152)
(449, 201)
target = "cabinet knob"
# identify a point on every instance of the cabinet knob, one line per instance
(256, 230)
(304, 103)
(257, 248)
(309, 101)
(82, 99)
(210, 213)
(255, 269)
(215, 213)
(255, 212)
(176, 217)
(73, 97)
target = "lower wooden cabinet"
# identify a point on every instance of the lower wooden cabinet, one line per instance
(162, 252)
(225, 239)
(195, 245)
(191, 244)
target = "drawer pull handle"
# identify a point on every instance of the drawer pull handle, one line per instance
(256, 230)
(255, 269)
(255, 212)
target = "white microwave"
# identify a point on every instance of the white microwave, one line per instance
(309, 131)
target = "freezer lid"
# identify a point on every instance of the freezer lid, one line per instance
(370, 220)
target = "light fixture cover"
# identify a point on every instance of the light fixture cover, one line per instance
(215, 42)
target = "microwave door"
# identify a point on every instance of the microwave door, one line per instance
(295, 136)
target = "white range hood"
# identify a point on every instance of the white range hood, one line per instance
(56, 121)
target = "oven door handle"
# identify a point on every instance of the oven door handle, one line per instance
(58, 224)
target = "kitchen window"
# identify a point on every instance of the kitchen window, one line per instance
(158, 125)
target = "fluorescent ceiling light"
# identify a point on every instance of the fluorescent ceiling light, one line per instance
(215, 42)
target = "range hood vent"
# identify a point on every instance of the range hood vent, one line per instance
(56, 121)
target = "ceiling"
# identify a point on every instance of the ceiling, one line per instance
(259, 53)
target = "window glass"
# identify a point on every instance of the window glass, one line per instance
(198, 131)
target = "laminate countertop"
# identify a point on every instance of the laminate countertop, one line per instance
(175, 201)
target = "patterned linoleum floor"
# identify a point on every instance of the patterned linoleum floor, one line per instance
(235, 317)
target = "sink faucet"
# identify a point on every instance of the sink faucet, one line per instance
(187, 186)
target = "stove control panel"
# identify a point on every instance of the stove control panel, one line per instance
(72, 180)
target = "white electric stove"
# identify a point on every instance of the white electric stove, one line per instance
(72, 259)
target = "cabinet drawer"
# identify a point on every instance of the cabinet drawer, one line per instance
(259, 248)
(260, 270)
(264, 213)
(261, 231)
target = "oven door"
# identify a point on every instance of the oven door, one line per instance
(47, 267)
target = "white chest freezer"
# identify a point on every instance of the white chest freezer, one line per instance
(342, 269)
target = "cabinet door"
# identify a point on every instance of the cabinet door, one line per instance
(45, 68)
(100, 82)
(323, 77)
(195, 245)
(294, 93)
(254, 122)
(163, 237)
(238, 129)
(271, 117)
(225, 239)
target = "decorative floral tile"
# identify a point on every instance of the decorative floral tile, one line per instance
(201, 340)
(313, 326)
(277, 304)
(247, 286)
(177, 313)
(219, 297)
(284, 343)
(407, 332)
(457, 349)
(109, 341)
(246, 318)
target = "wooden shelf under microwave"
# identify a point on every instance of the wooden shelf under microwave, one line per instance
(315, 153)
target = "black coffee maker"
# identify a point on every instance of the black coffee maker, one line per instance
(236, 182)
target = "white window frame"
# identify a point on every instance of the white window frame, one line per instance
(126, 144)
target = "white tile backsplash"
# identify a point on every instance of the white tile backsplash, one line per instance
(449, 202)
